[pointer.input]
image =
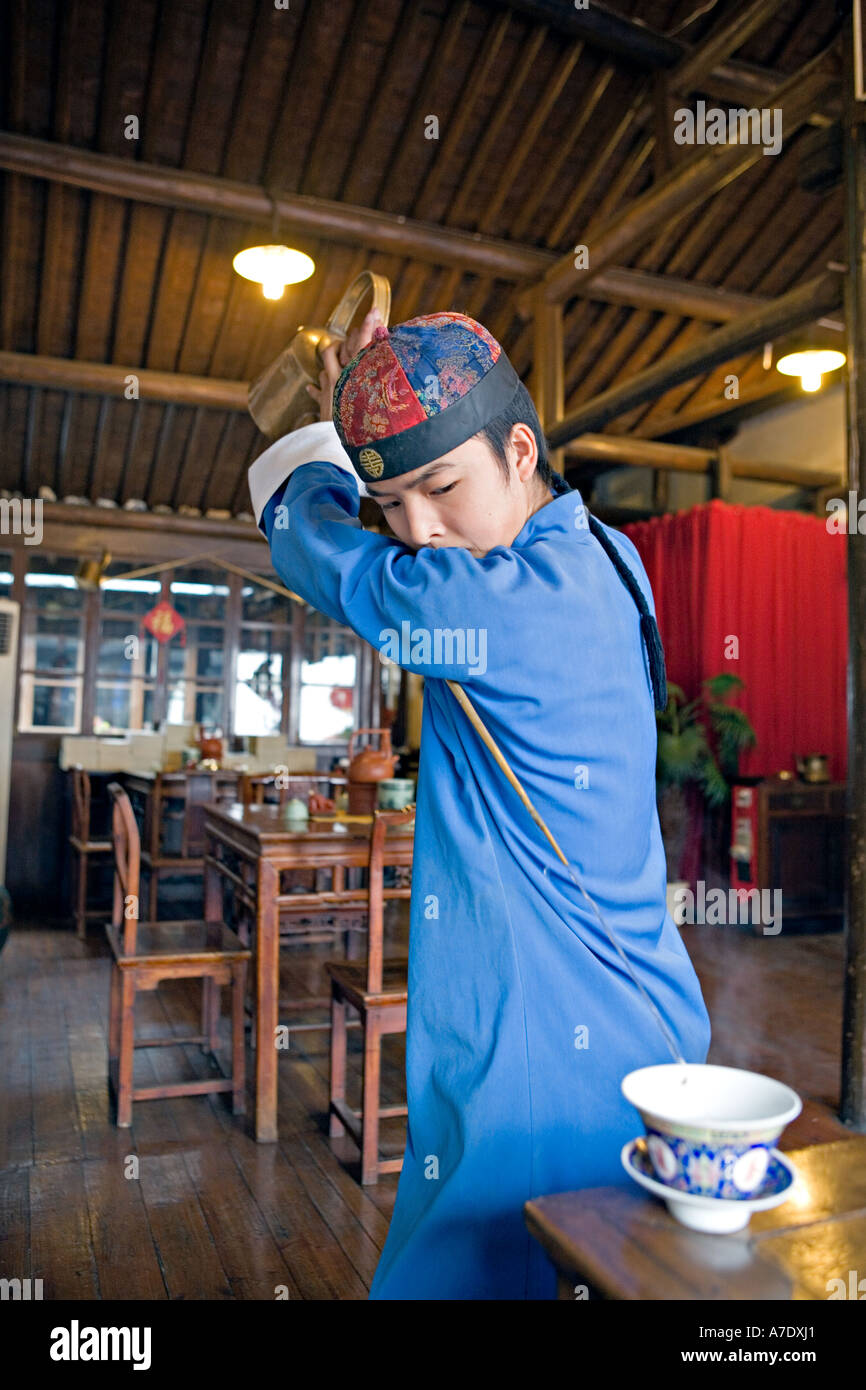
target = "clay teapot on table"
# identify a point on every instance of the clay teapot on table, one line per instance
(372, 764)
(211, 745)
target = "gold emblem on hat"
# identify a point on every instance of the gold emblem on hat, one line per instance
(372, 462)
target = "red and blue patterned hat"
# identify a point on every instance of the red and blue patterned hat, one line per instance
(417, 392)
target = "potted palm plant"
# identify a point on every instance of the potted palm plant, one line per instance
(699, 746)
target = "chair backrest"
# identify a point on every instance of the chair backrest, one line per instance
(127, 868)
(80, 803)
(253, 787)
(375, 884)
(200, 791)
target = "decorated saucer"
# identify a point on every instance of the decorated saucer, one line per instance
(719, 1215)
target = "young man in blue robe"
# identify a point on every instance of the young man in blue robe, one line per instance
(522, 1020)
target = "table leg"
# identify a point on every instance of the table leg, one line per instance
(267, 990)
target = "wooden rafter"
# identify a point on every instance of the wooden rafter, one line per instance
(642, 46)
(708, 170)
(801, 305)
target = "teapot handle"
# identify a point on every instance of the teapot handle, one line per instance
(386, 739)
(341, 318)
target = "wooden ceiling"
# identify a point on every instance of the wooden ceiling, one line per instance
(548, 125)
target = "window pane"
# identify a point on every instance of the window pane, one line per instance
(133, 596)
(123, 705)
(324, 637)
(199, 593)
(112, 707)
(260, 605)
(51, 586)
(209, 707)
(321, 718)
(57, 645)
(258, 687)
(188, 703)
(177, 659)
(125, 649)
(55, 707)
(330, 670)
(208, 642)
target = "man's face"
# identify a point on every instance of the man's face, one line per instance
(461, 498)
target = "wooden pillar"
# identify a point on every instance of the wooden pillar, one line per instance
(233, 647)
(661, 489)
(292, 685)
(720, 476)
(548, 372)
(853, 1085)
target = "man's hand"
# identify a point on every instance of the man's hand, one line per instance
(335, 361)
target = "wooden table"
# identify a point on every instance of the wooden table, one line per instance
(624, 1244)
(249, 847)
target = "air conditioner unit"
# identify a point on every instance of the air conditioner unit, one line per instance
(8, 666)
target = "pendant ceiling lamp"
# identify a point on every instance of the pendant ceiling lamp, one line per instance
(810, 365)
(274, 265)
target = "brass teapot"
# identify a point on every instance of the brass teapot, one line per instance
(813, 768)
(372, 764)
(278, 399)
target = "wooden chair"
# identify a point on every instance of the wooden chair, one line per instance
(173, 826)
(147, 953)
(83, 844)
(378, 990)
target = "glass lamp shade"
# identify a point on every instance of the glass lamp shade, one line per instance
(273, 267)
(810, 365)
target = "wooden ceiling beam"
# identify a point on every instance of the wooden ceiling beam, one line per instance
(682, 458)
(219, 197)
(799, 306)
(641, 289)
(107, 379)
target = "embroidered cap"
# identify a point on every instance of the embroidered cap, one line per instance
(418, 391)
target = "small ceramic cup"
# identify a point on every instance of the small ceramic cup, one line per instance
(395, 793)
(710, 1129)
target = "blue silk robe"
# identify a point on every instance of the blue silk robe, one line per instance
(522, 1021)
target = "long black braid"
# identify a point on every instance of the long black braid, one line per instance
(648, 625)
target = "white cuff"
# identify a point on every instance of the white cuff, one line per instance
(316, 443)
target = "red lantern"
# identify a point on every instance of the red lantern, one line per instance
(163, 622)
(342, 696)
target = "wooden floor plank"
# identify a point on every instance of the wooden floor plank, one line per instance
(190, 1264)
(319, 1266)
(15, 1224)
(127, 1261)
(16, 1081)
(247, 1248)
(61, 1251)
(328, 1201)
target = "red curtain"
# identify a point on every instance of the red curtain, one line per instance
(775, 581)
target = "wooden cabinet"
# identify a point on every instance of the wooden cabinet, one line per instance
(798, 846)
